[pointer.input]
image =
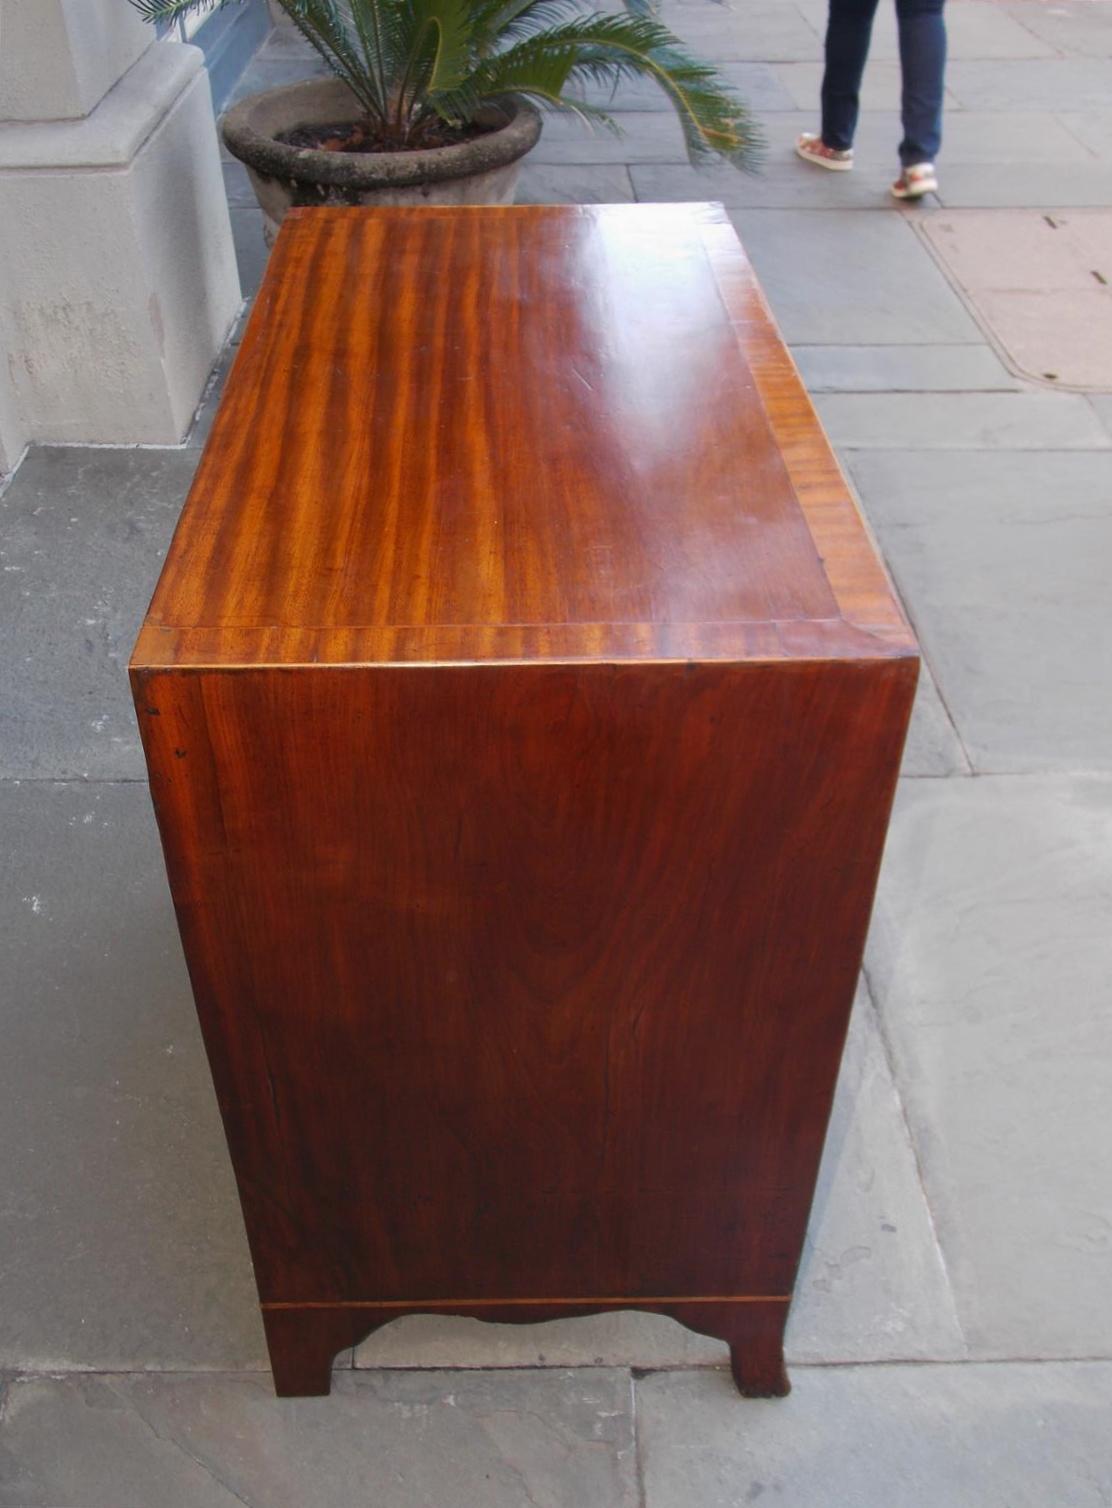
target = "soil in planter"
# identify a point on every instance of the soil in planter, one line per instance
(364, 136)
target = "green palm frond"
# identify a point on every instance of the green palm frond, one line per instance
(171, 10)
(442, 34)
(715, 123)
(328, 26)
(505, 20)
(408, 61)
(542, 64)
(607, 49)
(367, 24)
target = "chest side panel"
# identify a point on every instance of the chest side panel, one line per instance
(524, 981)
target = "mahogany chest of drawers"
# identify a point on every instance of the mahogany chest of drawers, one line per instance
(523, 702)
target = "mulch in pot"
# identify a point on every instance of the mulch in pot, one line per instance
(366, 136)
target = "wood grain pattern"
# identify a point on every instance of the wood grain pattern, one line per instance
(523, 702)
(490, 428)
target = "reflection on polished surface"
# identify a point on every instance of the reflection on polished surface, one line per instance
(471, 419)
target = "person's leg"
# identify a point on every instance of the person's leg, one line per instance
(848, 31)
(923, 64)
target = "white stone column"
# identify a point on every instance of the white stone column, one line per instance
(118, 281)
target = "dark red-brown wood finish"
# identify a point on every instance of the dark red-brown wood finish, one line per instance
(523, 701)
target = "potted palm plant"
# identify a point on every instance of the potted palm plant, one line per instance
(436, 100)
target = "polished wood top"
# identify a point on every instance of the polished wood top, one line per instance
(548, 433)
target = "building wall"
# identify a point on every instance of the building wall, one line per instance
(59, 58)
(118, 279)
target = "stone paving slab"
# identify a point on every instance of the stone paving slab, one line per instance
(478, 1440)
(985, 138)
(880, 89)
(1023, 185)
(882, 1437)
(1041, 282)
(83, 533)
(251, 249)
(628, 1339)
(646, 136)
(1102, 407)
(284, 41)
(909, 369)
(1083, 27)
(759, 85)
(871, 1284)
(596, 183)
(214, 391)
(973, 30)
(761, 31)
(783, 183)
(1027, 252)
(1040, 84)
(869, 261)
(990, 958)
(121, 1240)
(1093, 129)
(972, 137)
(933, 746)
(1036, 163)
(1002, 560)
(1061, 336)
(991, 31)
(237, 185)
(961, 421)
(274, 69)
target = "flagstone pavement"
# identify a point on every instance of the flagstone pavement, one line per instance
(951, 1343)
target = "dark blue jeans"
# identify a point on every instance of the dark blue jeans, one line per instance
(922, 62)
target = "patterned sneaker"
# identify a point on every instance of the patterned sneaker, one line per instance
(916, 181)
(811, 147)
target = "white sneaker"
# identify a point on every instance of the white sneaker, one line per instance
(916, 181)
(811, 147)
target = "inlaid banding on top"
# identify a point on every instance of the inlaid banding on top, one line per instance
(465, 422)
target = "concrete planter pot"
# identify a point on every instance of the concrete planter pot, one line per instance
(483, 171)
